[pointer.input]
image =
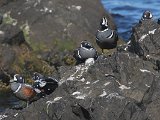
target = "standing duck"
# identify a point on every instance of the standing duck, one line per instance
(147, 15)
(106, 38)
(21, 90)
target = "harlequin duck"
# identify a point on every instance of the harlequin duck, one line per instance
(21, 90)
(45, 84)
(106, 38)
(19, 78)
(147, 15)
(85, 51)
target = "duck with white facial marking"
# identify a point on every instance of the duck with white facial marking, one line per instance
(21, 90)
(85, 51)
(106, 38)
(45, 84)
(19, 78)
(147, 15)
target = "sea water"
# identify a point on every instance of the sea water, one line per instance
(127, 13)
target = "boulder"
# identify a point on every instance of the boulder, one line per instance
(145, 39)
(11, 35)
(53, 27)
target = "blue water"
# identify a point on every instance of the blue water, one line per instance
(127, 13)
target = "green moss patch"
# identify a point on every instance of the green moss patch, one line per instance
(7, 19)
(63, 45)
(27, 62)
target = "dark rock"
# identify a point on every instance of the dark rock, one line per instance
(145, 42)
(20, 59)
(114, 87)
(11, 35)
(158, 21)
(5, 2)
(57, 26)
(1, 19)
(133, 112)
(145, 39)
(152, 110)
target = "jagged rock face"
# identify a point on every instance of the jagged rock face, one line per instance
(145, 41)
(120, 87)
(145, 38)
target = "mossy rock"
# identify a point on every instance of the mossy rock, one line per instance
(26, 62)
(4, 87)
(7, 19)
(63, 45)
(69, 60)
